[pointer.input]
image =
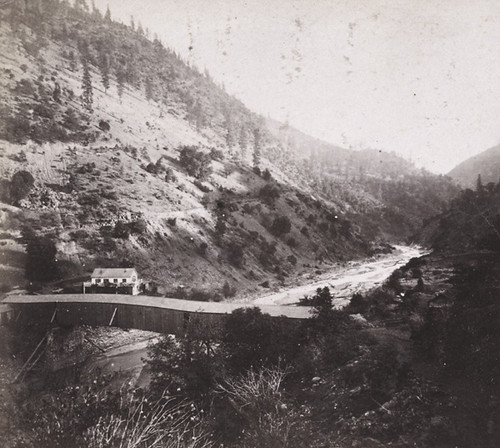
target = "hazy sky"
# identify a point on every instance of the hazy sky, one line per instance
(418, 77)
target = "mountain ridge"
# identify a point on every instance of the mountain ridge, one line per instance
(485, 164)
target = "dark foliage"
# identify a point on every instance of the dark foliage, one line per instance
(41, 264)
(187, 366)
(121, 230)
(473, 221)
(252, 339)
(269, 193)
(20, 185)
(235, 255)
(196, 163)
(104, 126)
(281, 226)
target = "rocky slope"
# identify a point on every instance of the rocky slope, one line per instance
(99, 115)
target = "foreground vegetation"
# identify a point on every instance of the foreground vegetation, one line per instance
(412, 364)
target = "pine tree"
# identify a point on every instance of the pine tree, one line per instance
(148, 87)
(107, 16)
(140, 30)
(132, 23)
(56, 93)
(256, 147)
(104, 67)
(120, 78)
(87, 91)
(243, 142)
(81, 5)
(230, 137)
(95, 12)
(479, 184)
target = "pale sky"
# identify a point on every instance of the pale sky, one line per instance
(417, 77)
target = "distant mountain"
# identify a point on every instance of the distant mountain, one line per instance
(372, 162)
(486, 164)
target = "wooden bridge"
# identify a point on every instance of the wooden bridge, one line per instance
(158, 314)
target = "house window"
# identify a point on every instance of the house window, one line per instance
(98, 280)
(124, 280)
(115, 280)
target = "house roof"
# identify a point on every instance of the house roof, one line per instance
(113, 272)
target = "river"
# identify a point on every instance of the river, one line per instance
(356, 277)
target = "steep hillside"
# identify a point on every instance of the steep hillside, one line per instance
(116, 152)
(472, 222)
(485, 164)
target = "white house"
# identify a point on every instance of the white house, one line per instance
(117, 277)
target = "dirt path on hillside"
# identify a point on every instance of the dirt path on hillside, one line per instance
(358, 277)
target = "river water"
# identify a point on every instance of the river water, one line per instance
(356, 277)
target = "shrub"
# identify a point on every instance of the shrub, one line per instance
(216, 154)
(25, 87)
(195, 162)
(266, 175)
(247, 208)
(200, 295)
(172, 222)
(416, 273)
(252, 339)
(202, 248)
(235, 255)
(44, 111)
(94, 415)
(86, 168)
(104, 126)
(281, 225)
(90, 199)
(20, 185)
(228, 290)
(170, 175)
(71, 120)
(220, 225)
(358, 304)
(393, 281)
(185, 366)
(138, 226)
(151, 168)
(258, 415)
(121, 230)
(201, 187)
(17, 128)
(41, 259)
(269, 193)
